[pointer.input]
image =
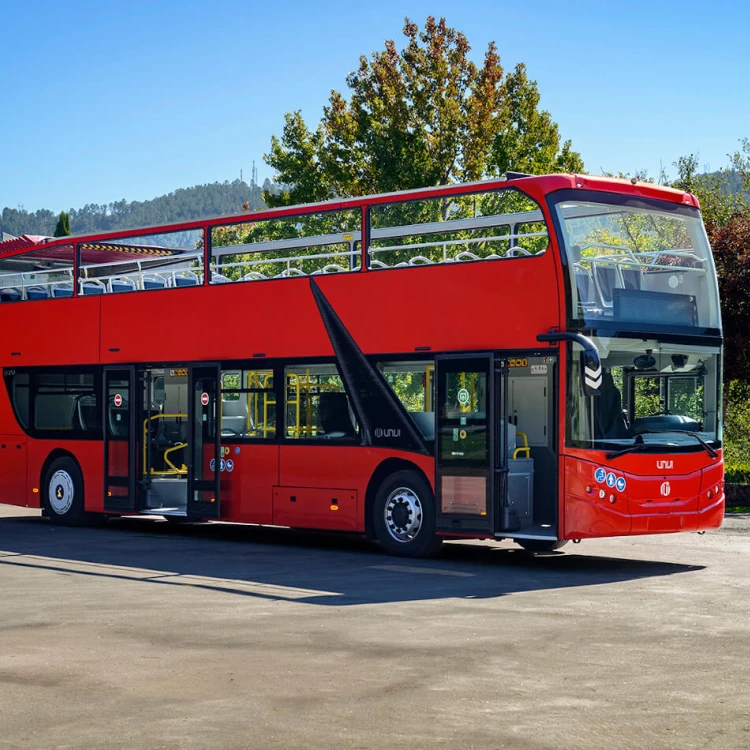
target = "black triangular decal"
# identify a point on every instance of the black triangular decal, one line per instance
(382, 417)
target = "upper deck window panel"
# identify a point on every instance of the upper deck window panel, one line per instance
(142, 263)
(302, 245)
(480, 226)
(42, 274)
(638, 264)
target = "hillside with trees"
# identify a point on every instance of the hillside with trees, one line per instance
(184, 204)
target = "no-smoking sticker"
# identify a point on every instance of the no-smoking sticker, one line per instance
(204, 398)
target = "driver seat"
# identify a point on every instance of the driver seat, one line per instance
(609, 421)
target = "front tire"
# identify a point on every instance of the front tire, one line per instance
(63, 492)
(404, 517)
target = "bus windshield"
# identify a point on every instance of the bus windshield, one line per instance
(638, 262)
(653, 394)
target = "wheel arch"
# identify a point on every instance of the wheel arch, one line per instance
(383, 470)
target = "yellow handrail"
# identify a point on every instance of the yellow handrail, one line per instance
(525, 448)
(145, 444)
(183, 469)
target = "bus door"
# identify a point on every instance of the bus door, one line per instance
(205, 461)
(120, 437)
(469, 469)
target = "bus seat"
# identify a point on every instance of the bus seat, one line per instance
(92, 287)
(631, 278)
(87, 413)
(234, 414)
(605, 279)
(10, 294)
(121, 284)
(62, 290)
(609, 421)
(334, 415)
(466, 255)
(587, 296)
(36, 292)
(253, 276)
(154, 281)
(185, 278)
(217, 278)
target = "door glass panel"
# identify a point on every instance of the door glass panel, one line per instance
(463, 437)
(206, 459)
(118, 449)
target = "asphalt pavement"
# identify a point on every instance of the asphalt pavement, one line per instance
(144, 634)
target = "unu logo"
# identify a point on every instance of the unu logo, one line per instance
(388, 432)
(664, 464)
(665, 489)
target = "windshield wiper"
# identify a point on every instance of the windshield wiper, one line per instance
(638, 445)
(711, 451)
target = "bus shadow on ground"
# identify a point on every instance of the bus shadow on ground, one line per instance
(302, 566)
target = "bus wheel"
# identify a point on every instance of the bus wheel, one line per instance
(405, 516)
(63, 492)
(541, 545)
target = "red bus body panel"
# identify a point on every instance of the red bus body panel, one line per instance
(504, 305)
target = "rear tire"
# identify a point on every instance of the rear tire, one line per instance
(404, 516)
(63, 492)
(541, 545)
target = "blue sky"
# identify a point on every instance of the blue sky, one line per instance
(132, 100)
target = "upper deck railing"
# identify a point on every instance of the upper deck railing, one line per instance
(492, 220)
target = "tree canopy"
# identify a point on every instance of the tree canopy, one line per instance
(62, 229)
(422, 116)
(723, 194)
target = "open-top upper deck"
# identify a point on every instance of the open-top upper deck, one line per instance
(446, 224)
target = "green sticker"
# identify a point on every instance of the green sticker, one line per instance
(463, 396)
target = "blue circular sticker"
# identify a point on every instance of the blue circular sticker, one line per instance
(222, 465)
(610, 479)
(230, 464)
(600, 475)
(237, 451)
(620, 484)
(213, 464)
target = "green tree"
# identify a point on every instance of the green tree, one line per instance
(426, 115)
(722, 194)
(731, 249)
(528, 140)
(62, 229)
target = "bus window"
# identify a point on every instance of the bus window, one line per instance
(413, 384)
(317, 406)
(479, 226)
(145, 262)
(43, 274)
(18, 385)
(300, 245)
(248, 404)
(66, 402)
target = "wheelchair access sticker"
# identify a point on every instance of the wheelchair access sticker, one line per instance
(600, 475)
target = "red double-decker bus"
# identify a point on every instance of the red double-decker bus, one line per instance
(533, 358)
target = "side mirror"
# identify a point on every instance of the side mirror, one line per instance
(591, 363)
